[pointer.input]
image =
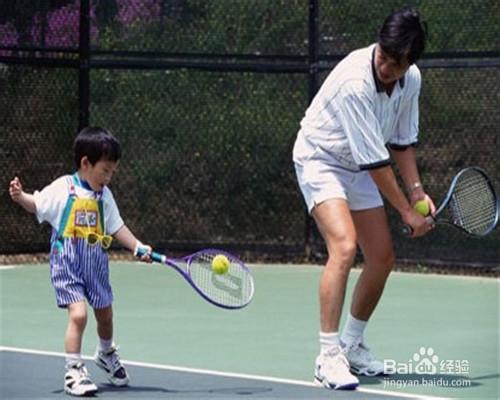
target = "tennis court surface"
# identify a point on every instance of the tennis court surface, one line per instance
(158, 382)
(178, 346)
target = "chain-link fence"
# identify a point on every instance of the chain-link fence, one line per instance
(206, 98)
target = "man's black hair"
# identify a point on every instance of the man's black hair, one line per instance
(403, 34)
(97, 144)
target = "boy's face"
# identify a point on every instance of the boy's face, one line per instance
(387, 69)
(98, 175)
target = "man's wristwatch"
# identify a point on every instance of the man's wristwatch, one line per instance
(414, 186)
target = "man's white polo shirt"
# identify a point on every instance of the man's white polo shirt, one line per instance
(352, 118)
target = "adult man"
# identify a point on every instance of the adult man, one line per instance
(368, 101)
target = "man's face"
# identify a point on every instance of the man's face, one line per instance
(389, 70)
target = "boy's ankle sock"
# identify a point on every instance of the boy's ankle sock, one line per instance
(105, 344)
(72, 359)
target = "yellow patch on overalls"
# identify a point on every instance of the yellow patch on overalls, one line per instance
(84, 218)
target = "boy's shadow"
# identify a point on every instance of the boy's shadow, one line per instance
(238, 391)
(227, 390)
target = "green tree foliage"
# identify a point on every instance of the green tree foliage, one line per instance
(208, 154)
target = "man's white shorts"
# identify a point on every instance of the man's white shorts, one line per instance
(320, 181)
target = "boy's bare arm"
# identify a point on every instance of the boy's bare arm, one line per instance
(127, 239)
(26, 200)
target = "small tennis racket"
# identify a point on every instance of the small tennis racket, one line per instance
(231, 290)
(470, 205)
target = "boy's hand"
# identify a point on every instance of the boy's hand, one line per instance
(146, 257)
(17, 194)
(16, 190)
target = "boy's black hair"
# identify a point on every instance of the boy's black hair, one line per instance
(403, 34)
(97, 144)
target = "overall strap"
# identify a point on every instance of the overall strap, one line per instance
(67, 208)
(101, 214)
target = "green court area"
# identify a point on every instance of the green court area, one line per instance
(448, 324)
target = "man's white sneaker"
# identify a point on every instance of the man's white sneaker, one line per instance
(362, 361)
(332, 371)
(109, 361)
(77, 381)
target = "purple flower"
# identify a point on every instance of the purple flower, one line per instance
(8, 37)
(61, 26)
(131, 11)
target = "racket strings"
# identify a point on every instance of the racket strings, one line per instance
(232, 289)
(473, 203)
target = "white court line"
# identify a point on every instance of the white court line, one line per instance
(226, 374)
(2, 267)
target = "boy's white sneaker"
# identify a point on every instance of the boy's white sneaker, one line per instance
(362, 361)
(77, 381)
(109, 361)
(332, 371)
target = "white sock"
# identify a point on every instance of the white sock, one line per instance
(105, 344)
(353, 330)
(72, 359)
(327, 340)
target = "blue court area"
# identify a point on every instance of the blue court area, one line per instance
(157, 382)
(178, 346)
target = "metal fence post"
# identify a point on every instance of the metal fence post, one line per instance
(312, 89)
(84, 65)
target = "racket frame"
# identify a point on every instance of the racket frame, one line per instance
(407, 231)
(174, 263)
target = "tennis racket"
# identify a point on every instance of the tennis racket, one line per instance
(470, 205)
(231, 290)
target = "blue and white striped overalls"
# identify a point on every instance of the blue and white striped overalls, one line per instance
(79, 270)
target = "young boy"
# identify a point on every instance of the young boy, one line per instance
(83, 214)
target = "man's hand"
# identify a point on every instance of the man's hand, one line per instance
(415, 197)
(419, 224)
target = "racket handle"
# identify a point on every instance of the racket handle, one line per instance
(407, 231)
(154, 256)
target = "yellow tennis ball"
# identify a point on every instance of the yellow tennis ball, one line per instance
(220, 264)
(422, 207)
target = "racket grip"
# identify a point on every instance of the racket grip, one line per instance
(406, 230)
(154, 256)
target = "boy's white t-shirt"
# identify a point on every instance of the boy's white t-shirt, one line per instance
(51, 201)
